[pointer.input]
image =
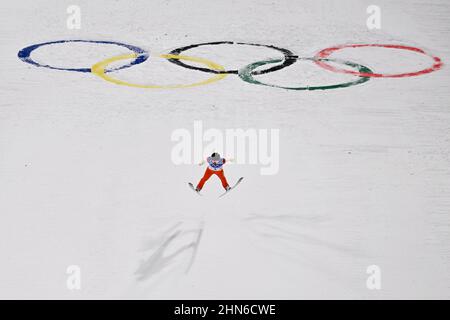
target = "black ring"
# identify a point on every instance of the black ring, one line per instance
(289, 58)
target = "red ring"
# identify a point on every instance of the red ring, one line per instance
(325, 53)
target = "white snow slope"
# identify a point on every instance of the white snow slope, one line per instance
(86, 176)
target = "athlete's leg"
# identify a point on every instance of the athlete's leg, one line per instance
(222, 178)
(205, 178)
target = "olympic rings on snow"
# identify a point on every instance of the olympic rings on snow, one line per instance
(325, 53)
(289, 57)
(99, 70)
(247, 73)
(25, 54)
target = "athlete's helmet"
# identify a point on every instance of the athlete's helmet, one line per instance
(215, 156)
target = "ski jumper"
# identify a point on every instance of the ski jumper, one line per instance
(214, 167)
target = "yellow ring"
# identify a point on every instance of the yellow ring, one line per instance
(99, 70)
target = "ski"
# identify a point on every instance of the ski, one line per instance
(193, 188)
(235, 185)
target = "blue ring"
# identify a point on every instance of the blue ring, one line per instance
(25, 53)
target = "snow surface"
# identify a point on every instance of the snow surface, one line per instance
(86, 176)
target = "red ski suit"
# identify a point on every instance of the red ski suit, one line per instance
(214, 168)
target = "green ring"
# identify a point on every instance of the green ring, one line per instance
(246, 74)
